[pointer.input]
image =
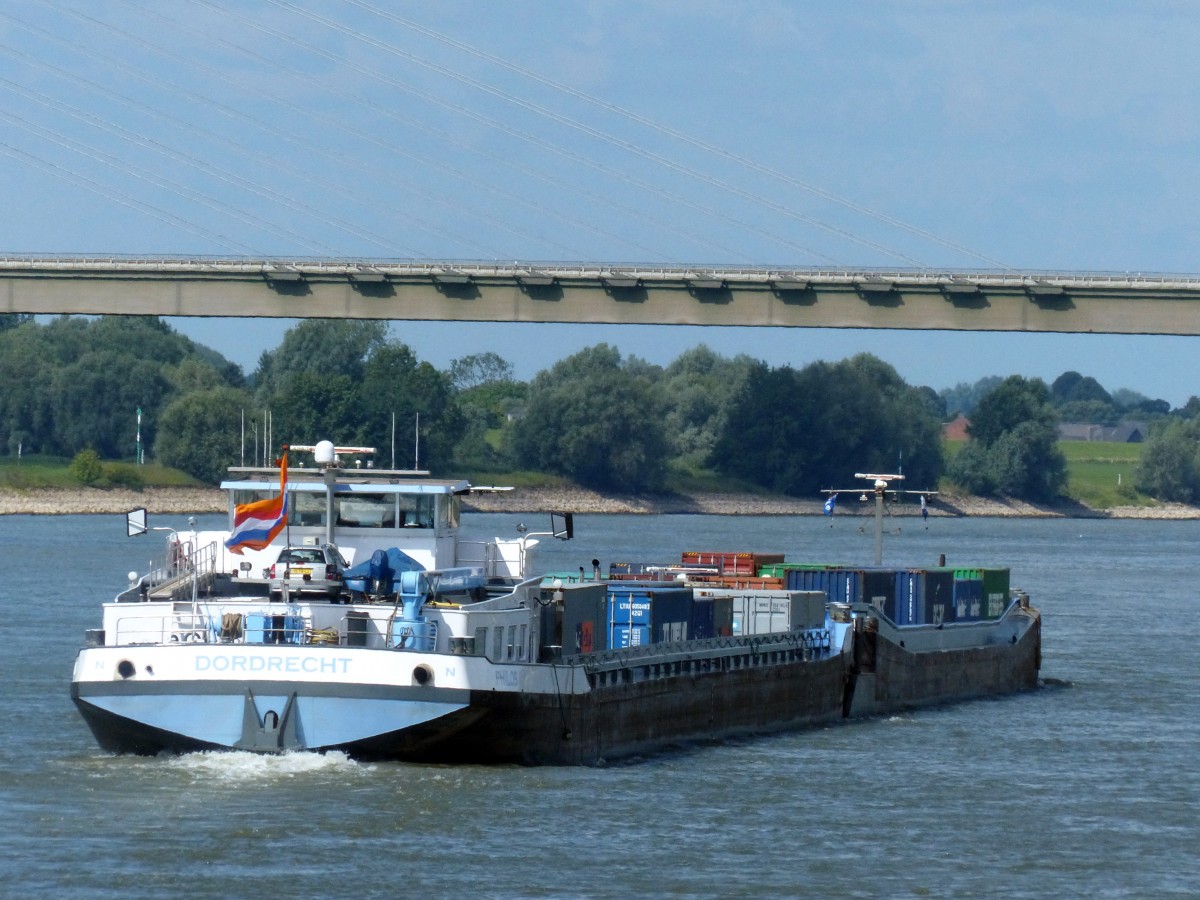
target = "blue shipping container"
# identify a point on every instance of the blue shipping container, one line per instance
(939, 596)
(703, 621)
(898, 593)
(712, 617)
(671, 615)
(838, 585)
(910, 598)
(628, 607)
(621, 637)
(879, 588)
(968, 600)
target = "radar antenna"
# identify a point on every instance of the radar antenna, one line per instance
(880, 486)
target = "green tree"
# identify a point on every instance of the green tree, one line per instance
(13, 320)
(1071, 387)
(1080, 398)
(963, 397)
(1134, 403)
(487, 395)
(86, 467)
(596, 419)
(344, 381)
(1020, 458)
(1089, 412)
(971, 468)
(1169, 468)
(1189, 410)
(198, 372)
(1015, 400)
(401, 394)
(762, 439)
(908, 422)
(479, 369)
(27, 364)
(799, 432)
(76, 383)
(496, 400)
(200, 433)
(1013, 446)
(698, 388)
(933, 402)
(319, 347)
(310, 407)
(96, 398)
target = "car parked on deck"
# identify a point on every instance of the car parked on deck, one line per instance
(307, 570)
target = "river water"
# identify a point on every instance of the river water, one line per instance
(1087, 786)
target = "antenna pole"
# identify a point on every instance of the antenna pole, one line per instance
(880, 485)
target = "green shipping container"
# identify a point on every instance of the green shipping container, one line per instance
(780, 570)
(995, 592)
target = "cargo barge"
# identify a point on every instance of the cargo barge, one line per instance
(443, 650)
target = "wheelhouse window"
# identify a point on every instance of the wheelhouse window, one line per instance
(241, 498)
(363, 509)
(417, 510)
(449, 511)
(305, 508)
(366, 510)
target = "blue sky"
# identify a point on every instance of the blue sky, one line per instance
(967, 135)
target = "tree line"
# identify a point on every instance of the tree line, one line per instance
(604, 421)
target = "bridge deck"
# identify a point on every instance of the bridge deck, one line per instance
(1115, 303)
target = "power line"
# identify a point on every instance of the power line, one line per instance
(514, 132)
(195, 163)
(668, 131)
(110, 193)
(369, 137)
(583, 128)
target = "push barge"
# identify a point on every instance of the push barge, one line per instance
(439, 649)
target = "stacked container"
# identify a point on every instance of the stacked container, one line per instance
(626, 571)
(996, 588)
(732, 563)
(671, 615)
(759, 614)
(712, 617)
(939, 599)
(968, 595)
(838, 584)
(627, 616)
(577, 624)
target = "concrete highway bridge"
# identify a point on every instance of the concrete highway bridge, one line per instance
(999, 300)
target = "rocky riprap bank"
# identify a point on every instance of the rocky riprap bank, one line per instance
(535, 500)
(117, 500)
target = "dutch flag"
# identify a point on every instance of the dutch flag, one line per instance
(256, 525)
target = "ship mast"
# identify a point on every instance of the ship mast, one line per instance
(880, 485)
